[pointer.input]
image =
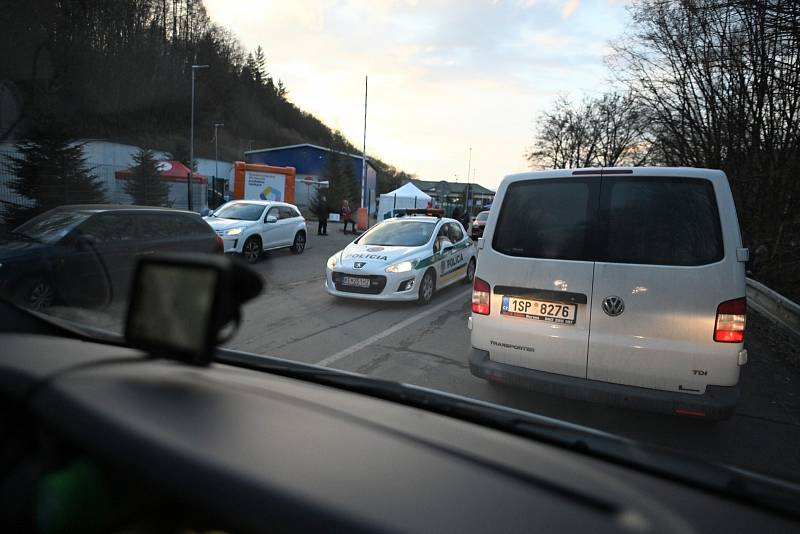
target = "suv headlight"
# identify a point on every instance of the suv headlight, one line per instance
(332, 262)
(234, 231)
(402, 267)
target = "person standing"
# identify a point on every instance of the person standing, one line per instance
(322, 216)
(347, 216)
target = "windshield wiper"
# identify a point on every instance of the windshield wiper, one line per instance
(745, 486)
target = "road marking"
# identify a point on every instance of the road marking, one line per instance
(330, 360)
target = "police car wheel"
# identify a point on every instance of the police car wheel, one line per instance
(470, 271)
(427, 287)
(251, 250)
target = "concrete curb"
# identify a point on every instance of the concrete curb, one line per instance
(773, 305)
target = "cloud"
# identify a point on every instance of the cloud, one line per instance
(569, 8)
(443, 74)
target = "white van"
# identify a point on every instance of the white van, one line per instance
(617, 285)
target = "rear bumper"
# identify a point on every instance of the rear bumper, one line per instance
(717, 403)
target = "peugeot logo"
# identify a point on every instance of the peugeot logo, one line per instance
(613, 306)
(359, 264)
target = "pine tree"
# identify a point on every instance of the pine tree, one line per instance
(145, 185)
(51, 171)
(339, 172)
(260, 64)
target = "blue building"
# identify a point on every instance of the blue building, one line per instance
(310, 162)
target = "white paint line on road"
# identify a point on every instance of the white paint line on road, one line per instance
(330, 360)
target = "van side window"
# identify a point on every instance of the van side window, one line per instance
(660, 221)
(548, 219)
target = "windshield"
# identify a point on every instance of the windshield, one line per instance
(646, 281)
(240, 211)
(51, 227)
(399, 234)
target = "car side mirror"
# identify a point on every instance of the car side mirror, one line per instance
(183, 305)
(271, 219)
(85, 242)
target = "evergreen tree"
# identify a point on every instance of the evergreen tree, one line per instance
(145, 185)
(50, 171)
(339, 172)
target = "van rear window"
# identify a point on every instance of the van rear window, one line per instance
(660, 221)
(549, 219)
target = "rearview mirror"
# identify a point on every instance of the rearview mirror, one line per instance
(271, 219)
(182, 305)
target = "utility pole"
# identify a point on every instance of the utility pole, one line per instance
(364, 199)
(216, 155)
(466, 193)
(191, 142)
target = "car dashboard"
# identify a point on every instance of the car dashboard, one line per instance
(104, 438)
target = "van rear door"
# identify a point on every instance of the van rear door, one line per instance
(666, 258)
(539, 268)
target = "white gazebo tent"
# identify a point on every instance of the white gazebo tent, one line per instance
(404, 197)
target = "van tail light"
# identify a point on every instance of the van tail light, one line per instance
(731, 319)
(481, 293)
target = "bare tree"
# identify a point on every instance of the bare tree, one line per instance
(602, 132)
(720, 82)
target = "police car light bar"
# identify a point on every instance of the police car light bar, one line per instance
(429, 212)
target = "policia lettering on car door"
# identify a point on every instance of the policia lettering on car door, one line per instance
(450, 263)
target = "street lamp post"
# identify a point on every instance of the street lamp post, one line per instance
(216, 155)
(191, 141)
(466, 193)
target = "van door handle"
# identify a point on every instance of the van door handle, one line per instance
(542, 294)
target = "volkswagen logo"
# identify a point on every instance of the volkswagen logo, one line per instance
(613, 306)
(359, 264)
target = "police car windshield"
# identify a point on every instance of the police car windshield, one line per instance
(399, 234)
(240, 211)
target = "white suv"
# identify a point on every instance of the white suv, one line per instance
(623, 286)
(249, 227)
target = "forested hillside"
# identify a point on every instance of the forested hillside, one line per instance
(121, 69)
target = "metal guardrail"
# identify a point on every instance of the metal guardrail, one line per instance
(773, 305)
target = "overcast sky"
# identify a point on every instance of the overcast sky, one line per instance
(443, 75)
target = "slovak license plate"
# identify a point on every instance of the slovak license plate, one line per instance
(552, 312)
(353, 281)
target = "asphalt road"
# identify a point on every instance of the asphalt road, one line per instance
(428, 346)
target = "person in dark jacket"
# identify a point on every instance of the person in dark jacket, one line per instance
(322, 216)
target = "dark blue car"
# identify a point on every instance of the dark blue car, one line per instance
(84, 256)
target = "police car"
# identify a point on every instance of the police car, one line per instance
(405, 258)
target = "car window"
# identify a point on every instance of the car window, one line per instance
(110, 227)
(157, 226)
(286, 212)
(660, 221)
(273, 212)
(547, 219)
(454, 232)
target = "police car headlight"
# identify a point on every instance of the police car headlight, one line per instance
(234, 231)
(402, 267)
(332, 262)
